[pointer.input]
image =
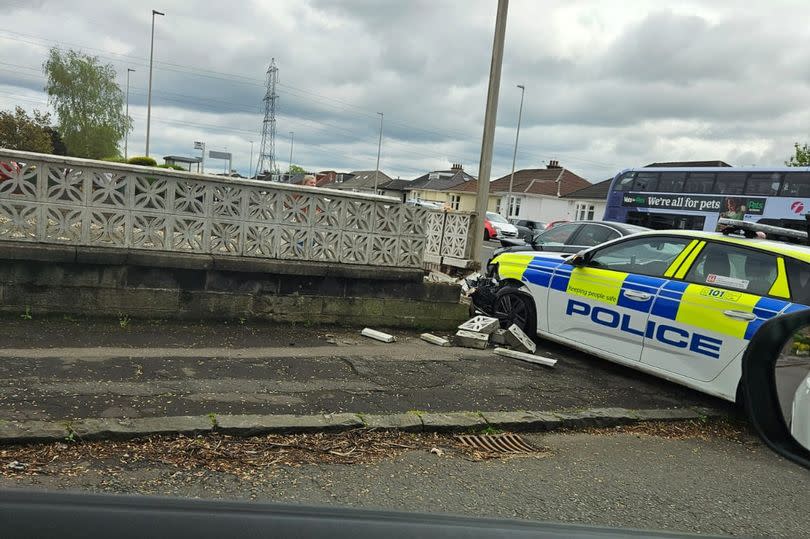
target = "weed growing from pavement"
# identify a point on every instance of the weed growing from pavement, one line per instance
(27, 314)
(213, 417)
(123, 320)
(489, 430)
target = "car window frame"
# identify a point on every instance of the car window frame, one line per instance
(710, 241)
(558, 227)
(791, 288)
(575, 238)
(624, 239)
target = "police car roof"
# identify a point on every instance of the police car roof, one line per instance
(801, 252)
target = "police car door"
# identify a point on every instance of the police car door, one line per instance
(605, 303)
(711, 314)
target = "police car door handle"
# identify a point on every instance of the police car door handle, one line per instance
(740, 315)
(636, 295)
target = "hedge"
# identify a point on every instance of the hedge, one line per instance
(143, 161)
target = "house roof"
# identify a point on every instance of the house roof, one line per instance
(397, 185)
(595, 191)
(447, 179)
(363, 179)
(540, 181)
(470, 186)
(677, 164)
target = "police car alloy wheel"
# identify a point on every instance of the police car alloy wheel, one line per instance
(515, 307)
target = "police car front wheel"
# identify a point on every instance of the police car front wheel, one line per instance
(515, 307)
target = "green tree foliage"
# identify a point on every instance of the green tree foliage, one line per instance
(87, 101)
(59, 147)
(19, 131)
(800, 157)
(143, 161)
(295, 169)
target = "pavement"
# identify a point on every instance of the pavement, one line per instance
(66, 370)
(700, 477)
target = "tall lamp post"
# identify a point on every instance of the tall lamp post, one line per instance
(250, 163)
(514, 155)
(126, 137)
(379, 146)
(292, 142)
(149, 96)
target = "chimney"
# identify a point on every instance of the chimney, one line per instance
(553, 164)
(456, 167)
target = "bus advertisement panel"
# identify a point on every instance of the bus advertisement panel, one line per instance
(694, 199)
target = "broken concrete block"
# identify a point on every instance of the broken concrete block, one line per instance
(498, 337)
(377, 335)
(433, 339)
(523, 356)
(481, 324)
(471, 339)
(517, 339)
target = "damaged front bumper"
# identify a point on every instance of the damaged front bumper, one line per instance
(482, 290)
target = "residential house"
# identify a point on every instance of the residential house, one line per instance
(453, 187)
(396, 188)
(362, 181)
(537, 193)
(588, 203)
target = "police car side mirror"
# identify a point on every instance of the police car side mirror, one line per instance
(579, 259)
(776, 384)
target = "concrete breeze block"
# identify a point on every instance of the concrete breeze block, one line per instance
(517, 339)
(471, 339)
(481, 324)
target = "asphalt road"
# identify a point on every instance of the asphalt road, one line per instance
(58, 369)
(722, 482)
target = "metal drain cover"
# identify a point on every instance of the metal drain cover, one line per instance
(497, 443)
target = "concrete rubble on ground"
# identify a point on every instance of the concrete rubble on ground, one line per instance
(471, 339)
(523, 356)
(481, 324)
(516, 338)
(377, 335)
(433, 339)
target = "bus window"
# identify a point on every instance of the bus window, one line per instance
(671, 182)
(625, 183)
(763, 184)
(796, 184)
(729, 183)
(699, 182)
(646, 181)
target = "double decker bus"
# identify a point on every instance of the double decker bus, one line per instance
(695, 198)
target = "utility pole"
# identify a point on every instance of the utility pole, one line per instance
(379, 146)
(126, 137)
(149, 96)
(292, 142)
(514, 155)
(250, 163)
(485, 165)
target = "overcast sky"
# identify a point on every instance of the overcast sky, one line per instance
(609, 85)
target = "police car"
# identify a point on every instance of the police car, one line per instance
(679, 304)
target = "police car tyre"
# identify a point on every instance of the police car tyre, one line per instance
(514, 306)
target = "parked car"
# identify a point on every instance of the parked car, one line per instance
(552, 224)
(497, 227)
(10, 168)
(527, 228)
(424, 204)
(571, 237)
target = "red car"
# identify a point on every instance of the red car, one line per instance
(489, 230)
(554, 223)
(9, 167)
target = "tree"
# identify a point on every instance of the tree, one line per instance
(295, 169)
(57, 142)
(87, 101)
(800, 157)
(19, 131)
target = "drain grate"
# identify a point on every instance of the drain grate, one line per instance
(497, 443)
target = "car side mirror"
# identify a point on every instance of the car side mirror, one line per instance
(579, 259)
(776, 384)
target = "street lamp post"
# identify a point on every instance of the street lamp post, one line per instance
(250, 163)
(292, 143)
(514, 155)
(149, 96)
(379, 146)
(126, 136)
